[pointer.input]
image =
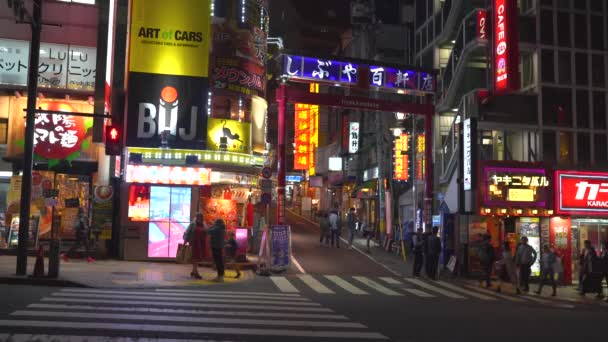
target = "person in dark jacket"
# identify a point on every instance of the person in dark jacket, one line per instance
(487, 256)
(432, 251)
(323, 229)
(82, 237)
(590, 272)
(216, 233)
(418, 248)
(604, 263)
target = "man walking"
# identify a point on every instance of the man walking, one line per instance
(433, 249)
(418, 249)
(525, 256)
(351, 223)
(335, 226)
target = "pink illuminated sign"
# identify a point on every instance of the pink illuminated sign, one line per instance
(177, 175)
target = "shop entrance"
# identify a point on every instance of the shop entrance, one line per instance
(169, 218)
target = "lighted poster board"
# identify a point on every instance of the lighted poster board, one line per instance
(139, 203)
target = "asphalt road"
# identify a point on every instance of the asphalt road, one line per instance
(343, 296)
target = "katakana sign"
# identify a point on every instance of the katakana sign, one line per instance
(525, 187)
(60, 66)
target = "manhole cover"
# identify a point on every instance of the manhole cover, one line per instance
(125, 273)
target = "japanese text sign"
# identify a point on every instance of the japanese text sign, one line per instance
(584, 193)
(482, 24)
(526, 187)
(467, 151)
(401, 158)
(177, 175)
(353, 137)
(344, 72)
(506, 50)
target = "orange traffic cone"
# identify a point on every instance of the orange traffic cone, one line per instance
(39, 266)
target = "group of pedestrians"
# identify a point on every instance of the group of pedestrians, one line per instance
(426, 248)
(330, 224)
(593, 268)
(195, 235)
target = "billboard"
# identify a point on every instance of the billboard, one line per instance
(514, 186)
(159, 103)
(229, 135)
(506, 49)
(581, 193)
(170, 38)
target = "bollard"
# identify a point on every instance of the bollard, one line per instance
(54, 249)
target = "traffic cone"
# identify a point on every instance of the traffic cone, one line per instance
(39, 266)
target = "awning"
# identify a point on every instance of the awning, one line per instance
(371, 185)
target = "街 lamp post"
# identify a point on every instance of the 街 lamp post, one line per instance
(35, 22)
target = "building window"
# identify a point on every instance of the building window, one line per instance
(563, 29)
(581, 4)
(564, 67)
(582, 109)
(3, 131)
(580, 31)
(565, 148)
(546, 66)
(580, 65)
(546, 27)
(557, 106)
(583, 148)
(527, 62)
(600, 150)
(597, 32)
(599, 110)
(597, 75)
(596, 6)
(549, 149)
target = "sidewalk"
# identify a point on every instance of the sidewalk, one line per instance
(115, 274)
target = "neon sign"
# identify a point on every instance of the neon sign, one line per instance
(401, 158)
(177, 175)
(505, 186)
(353, 137)
(582, 192)
(506, 55)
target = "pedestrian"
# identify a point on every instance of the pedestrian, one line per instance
(195, 235)
(258, 225)
(506, 269)
(487, 256)
(368, 234)
(547, 270)
(418, 249)
(335, 225)
(604, 264)
(590, 270)
(525, 256)
(231, 250)
(351, 224)
(216, 233)
(82, 237)
(324, 229)
(433, 249)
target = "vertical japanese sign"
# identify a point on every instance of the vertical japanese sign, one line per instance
(467, 156)
(280, 241)
(506, 50)
(401, 158)
(482, 27)
(353, 137)
(302, 136)
(420, 148)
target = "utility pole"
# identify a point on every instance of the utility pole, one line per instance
(35, 22)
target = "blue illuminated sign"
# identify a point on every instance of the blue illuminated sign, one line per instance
(343, 72)
(293, 179)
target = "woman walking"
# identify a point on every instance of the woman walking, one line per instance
(195, 236)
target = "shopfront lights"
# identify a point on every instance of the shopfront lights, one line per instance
(534, 211)
(503, 211)
(397, 132)
(519, 211)
(549, 212)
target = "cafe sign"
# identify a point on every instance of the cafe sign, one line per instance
(508, 186)
(581, 193)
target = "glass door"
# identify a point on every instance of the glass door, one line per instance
(169, 218)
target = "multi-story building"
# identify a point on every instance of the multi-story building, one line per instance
(521, 114)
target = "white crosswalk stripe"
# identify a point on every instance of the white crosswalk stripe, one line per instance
(156, 316)
(346, 285)
(499, 295)
(430, 287)
(391, 281)
(462, 290)
(315, 284)
(419, 293)
(283, 284)
(376, 286)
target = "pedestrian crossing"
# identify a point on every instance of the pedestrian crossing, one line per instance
(396, 287)
(76, 314)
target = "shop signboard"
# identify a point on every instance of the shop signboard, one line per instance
(482, 24)
(353, 137)
(506, 50)
(401, 158)
(229, 135)
(345, 73)
(280, 241)
(467, 151)
(173, 104)
(560, 239)
(293, 178)
(170, 39)
(515, 186)
(158, 174)
(61, 65)
(241, 237)
(101, 222)
(306, 136)
(581, 193)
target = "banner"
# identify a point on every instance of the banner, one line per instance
(159, 103)
(171, 38)
(229, 135)
(280, 254)
(101, 222)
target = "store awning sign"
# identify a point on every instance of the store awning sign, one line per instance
(508, 186)
(581, 193)
(175, 175)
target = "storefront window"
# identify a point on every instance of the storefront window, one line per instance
(565, 148)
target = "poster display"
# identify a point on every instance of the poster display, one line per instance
(280, 240)
(101, 223)
(530, 227)
(139, 203)
(215, 208)
(560, 237)
(241, 236)
(13, 235)
(168, 220)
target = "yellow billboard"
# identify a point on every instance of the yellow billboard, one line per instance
(229, 135)
(170, 37)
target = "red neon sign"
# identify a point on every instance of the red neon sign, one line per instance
(501, 45)
(582, 193)
(482, 30)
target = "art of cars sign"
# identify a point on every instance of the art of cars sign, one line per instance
(582, 193)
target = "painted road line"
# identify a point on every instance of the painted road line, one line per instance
(419, 293)
(499, 295)
(391, 281)
(192, 329)
(549, 302)
(75, 338)
(266, 307)
(273, 294)
(345, 285)
(186, 312)
(189, 319)
(376, 286)
(298, 266)
(283, 284)
(188, 295)
(466, 292)
(430, 287)
(196, 300)
(315, 284)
